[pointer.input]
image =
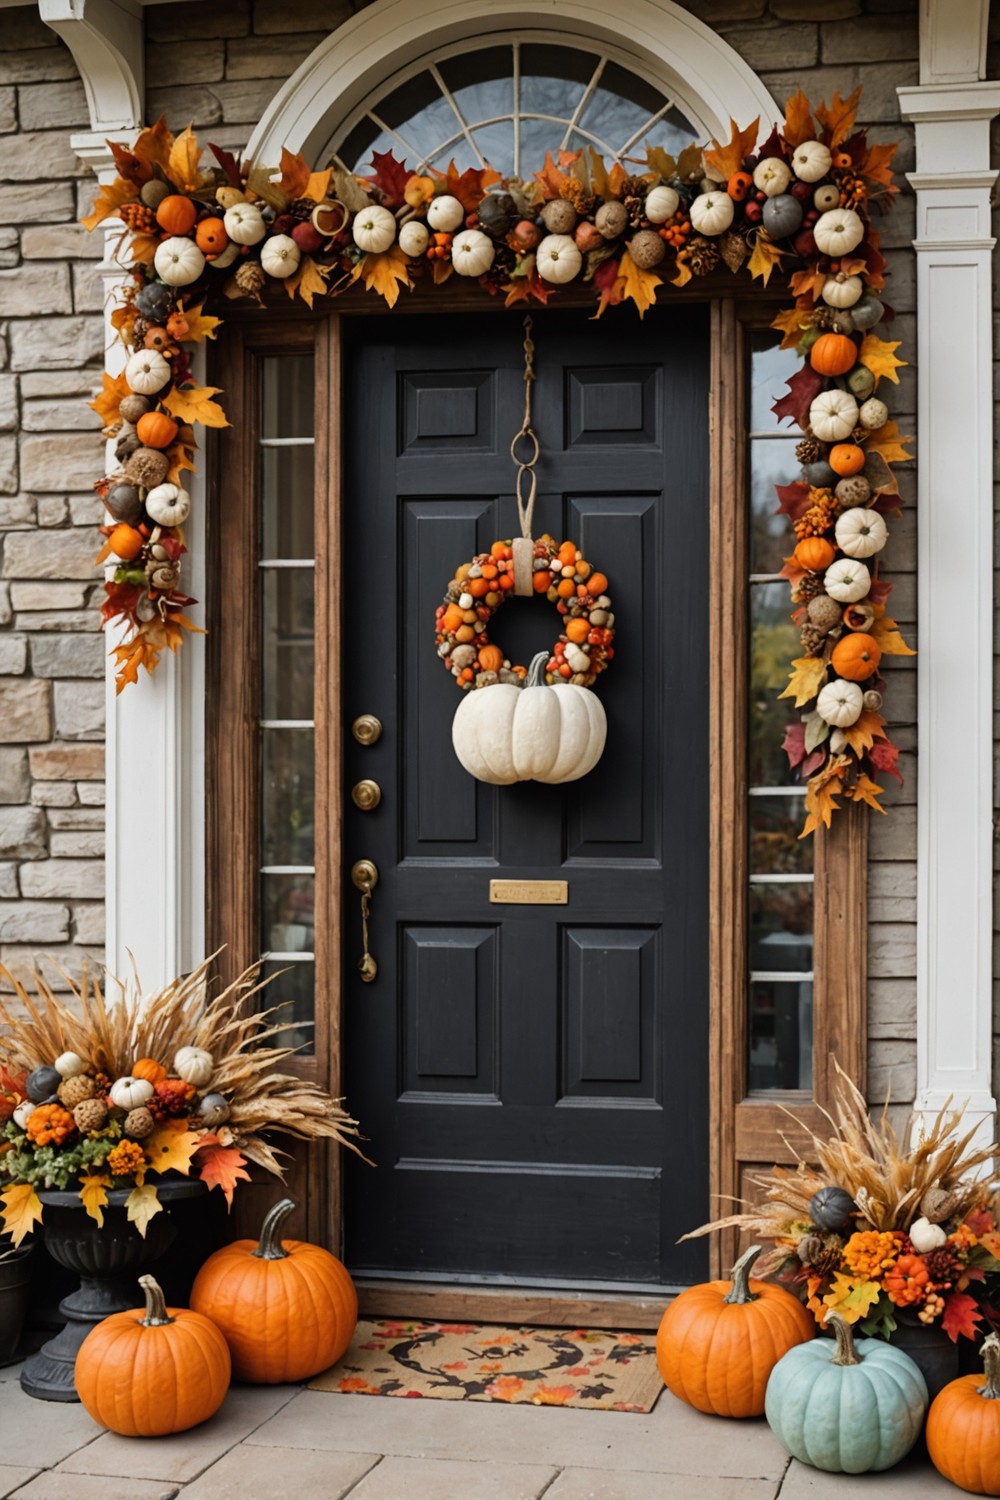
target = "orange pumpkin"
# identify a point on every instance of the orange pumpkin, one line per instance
(739, 186)
(211, 237)
(718, 1342)
(288, 1309)
(156, 430)
(833, 354)
(963, 1427)
(149, 1374)
(815, 554)
(856, 656)
(150, 1069)
(125, 541)
(176, 214)
(577, 630)
(490, 658)
(846, 458)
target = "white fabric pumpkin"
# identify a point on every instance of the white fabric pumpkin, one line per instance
(661, 204)
(178, 261)
(146, 372)
(833, 416)
(374, 229)
(811, 161)
(414, 237)
(926, 1236)
(840, 703)
(860, 532)
(841, 290)
(838, 232)
(130, 1093)
(445, 213)
(280, 255)
(194, 1065)
(847, 580)
(69, 1064)
(771, 176)
(472, 252)
(557, 258)
(712, 213)
(244, 223)
(504, 734)
(168, 505)
(874, 414)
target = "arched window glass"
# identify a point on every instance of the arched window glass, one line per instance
(504, 105)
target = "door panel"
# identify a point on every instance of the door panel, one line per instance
(532, 1079)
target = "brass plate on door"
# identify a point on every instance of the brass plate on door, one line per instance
(529, 892)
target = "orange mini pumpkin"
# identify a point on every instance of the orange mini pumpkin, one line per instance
(211, 237)
(739, 186)
(814, 553)
(846, 459)
(288, 1309)
(856, 656)
(176, 214)
(150, 1069)
(718, 1342)
(156, 430)
(50, 1125)
(833, 354)
(490, 658)
(963, 1427)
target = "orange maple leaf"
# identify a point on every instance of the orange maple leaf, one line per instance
(109, 200)
(221, 1166)
(876, 166)
(887, 441)
(182, 163)
(469, 187)
(838, 121)
(129, 656)
(153, 146)
(106, 404)
(798, 120)
(308, 279)
(384, 273)
(294, 173)
(636, 284)
(821, 802)
(808, 283)
(193, 403)
(729, 159)
(553, 180)
(862, 734)
(866, 790)
(318, 185)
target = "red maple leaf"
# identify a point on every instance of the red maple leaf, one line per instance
(803, 387)
(794, 743)
(879, 591)
(390, 177)
(221, 1166)
(810, 766)
(980, 1221)
(469, 187)
(961, 1316)
(883, 756)
(605, 278)
(227, 161)
(773, 146)
(793, 499)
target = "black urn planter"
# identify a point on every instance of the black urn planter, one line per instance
(930, 1348)
(108, 1260)
(15, 1290)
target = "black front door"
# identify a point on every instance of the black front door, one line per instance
(533, 1080)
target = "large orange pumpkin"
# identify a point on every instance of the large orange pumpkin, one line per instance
(856, 656)
(846, 458)
(833, 354)
(288, 1309)
(963, 1427)
(815, 554)
(718, 1342)
(147, 1374)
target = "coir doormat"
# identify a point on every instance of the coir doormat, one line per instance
(476, 1362)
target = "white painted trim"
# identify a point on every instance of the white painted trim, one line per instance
(953, 36)
(106, 40)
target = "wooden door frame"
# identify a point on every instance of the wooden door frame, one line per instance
(744, 1129)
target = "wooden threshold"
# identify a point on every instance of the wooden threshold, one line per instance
(435, 1302)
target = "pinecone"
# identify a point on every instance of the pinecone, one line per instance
(90, 1115)
(73, 1091)
(499, 272)
(734, 249)
(807, 588)
(250, 279)
(138, 1123)
(812, 639)
(809, 451)
(943, 1267)
(702, 255)
(635, 207)
(302, 208)
(139, 330)
(635, 187)
(827, 1262)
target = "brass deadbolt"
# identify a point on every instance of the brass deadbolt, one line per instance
(366, 795)
(366, 729)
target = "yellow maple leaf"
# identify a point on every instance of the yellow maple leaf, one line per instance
(862, 734)
(792, 323)
(852, 1299)
(866, 790)
(684, 272)
(657, 160)
(318, 185)
(94, 1195)
(636, 284)
(106, 404)
(143, 247)
(887, 441)
(129, 657)
(182, 164)
(878, 355)
(109, 200)
(141, 1205)
(170, 1148)
(384, 273)
(821, 803)
(199, 327)
(193, 403)
(309, 280)
(765, 259)
(22, 1209)
(805, 680)
(890, 642)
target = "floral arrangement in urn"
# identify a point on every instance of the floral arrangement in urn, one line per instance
(880, 1233)
(108, 1094)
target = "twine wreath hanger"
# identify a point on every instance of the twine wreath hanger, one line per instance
(523, 546)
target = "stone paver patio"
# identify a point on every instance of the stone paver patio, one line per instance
(267, 1443)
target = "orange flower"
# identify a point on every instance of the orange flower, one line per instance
(868, 1252)
(126, 1158)
(908, 1281)
(963, 1238)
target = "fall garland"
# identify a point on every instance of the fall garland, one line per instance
(194, 238)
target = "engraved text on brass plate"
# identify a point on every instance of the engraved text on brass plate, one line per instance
(529, 892)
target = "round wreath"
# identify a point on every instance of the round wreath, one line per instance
(564, 576)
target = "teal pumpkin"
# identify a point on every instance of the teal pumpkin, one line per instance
(847, 1408)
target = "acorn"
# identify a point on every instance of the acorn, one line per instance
(559, 216)
(611, 219)
(646, 249)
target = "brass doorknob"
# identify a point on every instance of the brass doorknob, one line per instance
(364, 874)
(366, 729)
(366, 795)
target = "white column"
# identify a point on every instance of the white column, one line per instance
(952, 181)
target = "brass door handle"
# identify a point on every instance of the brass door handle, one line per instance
(364, 875)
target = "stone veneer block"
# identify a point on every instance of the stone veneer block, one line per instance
(79, 710)
(56, 344)
(67, 762)
(22, 833)
(55, 554)
(179, 62)
(59, 461)
(53, 106)
(15, 778)
(269, 57)
(33, 922)
(68, 656)
(25, 710)
(64, 877)
(41, 154)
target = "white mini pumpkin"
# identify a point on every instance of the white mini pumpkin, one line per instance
(146, 372)
(771, 176)
(926, 1236)
(811, 161)
(874, 414)
(374, 229)
(23, 1113)
(280, 255)
(244, 223)
(130, 1093)
(860, 532)
(833, 416)
(223, 261)
(414, 237)
(840, 703)
(69, 1064)
(557, 258)
(841, 290)
(168, 505)
(661, 204)
(826, 196)
(194, 1065)
(178, 261)
(712, 213)
(504, 734)
(838, 232)
(445, 213)
(472, 252)
(847, 580)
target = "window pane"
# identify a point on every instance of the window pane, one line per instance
(287, 796)
(294, 988)
(673, 133)
(620, 106)
(553, 80)
(421, 114)
(781, 919)
(287, 905)
(770, 368)
(286, 497)
(774, 642)
(775, 846)
(781, 1034)
(482, 82)
(287, 396)
(772, 461)
(496, 142)
(287, 631)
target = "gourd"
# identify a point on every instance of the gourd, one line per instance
(557, 258)
(661, 204)
(156, 430)
(178, 261)
(126, 542)
(444, 213)
(963, 1427)
(712, 213)
(811, 161)
(846, 459)
(491, 658)
(472, 252)
(833, 416)
(374, 229)
(168, 505)
(211, 237)
(129, 1093)
(771, 176)
(148, 1068)
(873, 414)
(152, 1375)
(838, 232)
(225, 257)
(856, 656)
(861, 381)
(833, 354)
(782, 216)
(825, 197)
(861, 532)
(287, 1309)
(146, 372)
(867, 312)
(843, 1407)
(280, 256)
(69, 1065)
(213, 1110)
(832, 1208)
(847, 580)
(194, 1065)
(414, 237)
(840, 703)
(176, 214)
(739, 185)
(814, 553)
(244, 224)
(41, 1083)
(718, 1342)
(504, 734)
(842, 291)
